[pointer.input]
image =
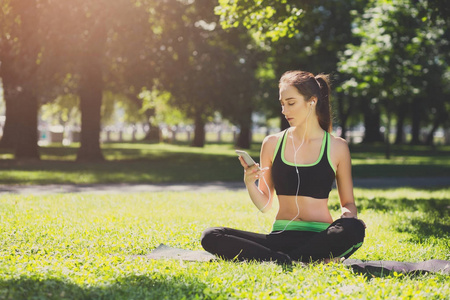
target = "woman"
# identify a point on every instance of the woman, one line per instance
(300, 164)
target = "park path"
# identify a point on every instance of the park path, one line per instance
(420, 182)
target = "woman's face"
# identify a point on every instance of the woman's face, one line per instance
(293, 105)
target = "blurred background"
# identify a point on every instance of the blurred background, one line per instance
(88, 72)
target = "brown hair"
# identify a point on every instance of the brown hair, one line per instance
(309, 85)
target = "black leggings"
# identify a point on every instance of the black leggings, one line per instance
(341, 239)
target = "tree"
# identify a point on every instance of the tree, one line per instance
(91, 91)
(198, 55)
(241, 88)
(301, 34)
(88, 35)
(19, 65)
(135, 59)
(391, 67)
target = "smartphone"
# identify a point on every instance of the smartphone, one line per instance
(247, 158)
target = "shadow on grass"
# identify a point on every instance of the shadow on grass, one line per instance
(424, 229)
(434, 223)
(164, 163)
(378, 150)
(132, 287)
(158, 168)
(399, 170)
(439, 206)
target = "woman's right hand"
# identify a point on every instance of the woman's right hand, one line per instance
(261, 197)
(253, 173)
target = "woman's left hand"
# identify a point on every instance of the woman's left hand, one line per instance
(348, 216)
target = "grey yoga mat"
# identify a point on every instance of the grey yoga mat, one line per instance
(167, 252)
(381, 267)
(371, 267)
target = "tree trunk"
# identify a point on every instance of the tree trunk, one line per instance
(344, 129)
(416, 116)
(244, 137)
(437, 122)
(199, 131)
(10, 135)
(372, 132)
(440, 117)
(343, 116)
(26, 146)
(153, 134)
(90, 92)
(20, 132)
(22, 87)
(400, 133)
(12, 109)
(387, 135)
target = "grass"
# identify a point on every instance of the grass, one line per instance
(81, 246)
(156, 163)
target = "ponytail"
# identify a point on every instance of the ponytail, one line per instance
(323, 107)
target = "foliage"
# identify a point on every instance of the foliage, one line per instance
(303, 35)
(86, 246)
(159, 102)
(385, 66)
(226, 56)
(63, 110)
(272, 19)
(392, 66)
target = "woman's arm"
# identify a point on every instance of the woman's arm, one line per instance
(344, 180)
(261, 195)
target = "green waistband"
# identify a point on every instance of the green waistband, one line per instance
(281, 225)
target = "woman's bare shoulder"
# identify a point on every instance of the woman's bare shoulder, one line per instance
(272, 140)
(339, 146)
(270, 143)
(338, 141)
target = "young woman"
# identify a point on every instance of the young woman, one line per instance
(300, 164)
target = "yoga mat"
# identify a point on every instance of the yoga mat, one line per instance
(385, 267)
(167, 252)
(368, 267)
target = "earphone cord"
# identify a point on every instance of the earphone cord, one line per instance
(261, 210)
(298, 175)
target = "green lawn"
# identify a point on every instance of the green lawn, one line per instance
(156, 163)
(81, 246)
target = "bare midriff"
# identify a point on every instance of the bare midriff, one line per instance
(311, 209)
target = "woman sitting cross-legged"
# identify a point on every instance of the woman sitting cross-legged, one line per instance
(300, 164)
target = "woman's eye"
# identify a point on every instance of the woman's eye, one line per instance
(290, 104)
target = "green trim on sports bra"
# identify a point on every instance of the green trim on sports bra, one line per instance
(282, 225)
(283, 139)
(278, 145)
(322, 148)
(328, 153)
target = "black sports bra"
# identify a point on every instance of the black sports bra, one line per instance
(316, 179)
